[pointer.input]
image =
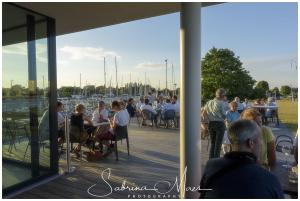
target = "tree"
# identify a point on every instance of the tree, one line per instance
(285, 90)
(264, 85)
(221, 68)
(260, 90)
(275, 91)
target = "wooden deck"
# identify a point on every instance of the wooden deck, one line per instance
(154, 156)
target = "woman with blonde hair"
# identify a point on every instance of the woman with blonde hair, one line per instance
(268, 156)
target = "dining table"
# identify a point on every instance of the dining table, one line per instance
(282, 175)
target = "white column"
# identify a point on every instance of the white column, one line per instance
(190, 97)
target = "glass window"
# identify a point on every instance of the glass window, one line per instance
(25, 99)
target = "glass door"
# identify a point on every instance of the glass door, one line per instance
(28, 148)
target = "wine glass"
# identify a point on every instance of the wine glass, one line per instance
(286, 151)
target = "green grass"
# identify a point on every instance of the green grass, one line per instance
(288, 114)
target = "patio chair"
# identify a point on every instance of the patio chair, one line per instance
(147, 115)
(121, 132)
(284, 137)
(9, 132)
(169, 116)
(284, 143)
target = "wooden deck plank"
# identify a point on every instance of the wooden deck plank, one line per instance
(154, 156)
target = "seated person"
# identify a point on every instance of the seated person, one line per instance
(121, 118)
(231, 116)
(176, 105)
(100, 114)
(167, 106)
(130, 107)
(148, 107)
(268, 158)
(77, 120)
(140, 103)
(238, 174)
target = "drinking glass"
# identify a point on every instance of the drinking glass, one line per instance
(286, 151)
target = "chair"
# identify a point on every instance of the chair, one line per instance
(121, 132)
(10, 132)
(76, 136)
(284, 137)
(147, 115)
(169, 115)
(286, 143)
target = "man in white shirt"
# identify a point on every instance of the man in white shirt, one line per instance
(140, 103)
(246, 104)
(240, 107)
(100, 114)
(176, 105)
(146, 106)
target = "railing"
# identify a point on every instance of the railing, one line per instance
(68, 156)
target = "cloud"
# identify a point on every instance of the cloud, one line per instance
(79, 53)
(21, 49)
(277, 70)
(271, 62)
(150, 65)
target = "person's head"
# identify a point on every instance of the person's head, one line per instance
(142, 100)
(237, 99)
(168, 100)
(130, 101)
(79, 108)
(246, 100)
(147, 101)
(115, 106)
(122, 104)
(245, 136)
(175, 98)
(220, 93)
(101, 105)
(233, 106)
(252, 114)
(59, 106)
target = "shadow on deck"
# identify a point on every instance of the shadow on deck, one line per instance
(154, 157)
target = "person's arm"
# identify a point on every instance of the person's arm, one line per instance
(88, 119)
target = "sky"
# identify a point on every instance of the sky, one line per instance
(263, 35)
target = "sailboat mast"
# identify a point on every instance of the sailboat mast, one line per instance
(116, 74)
(104, 77)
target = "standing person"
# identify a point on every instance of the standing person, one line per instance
(214, 110)
(226, 104)
(130, 107)
(246, 104)
(240, 107)
(238, 174)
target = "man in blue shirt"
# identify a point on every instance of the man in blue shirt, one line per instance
(238, 174)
